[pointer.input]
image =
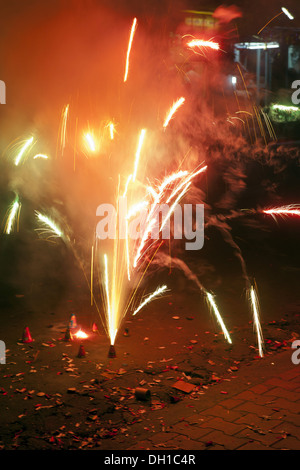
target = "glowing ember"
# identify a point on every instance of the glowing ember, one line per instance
(81, 335)
(173, 110)
(133, 29)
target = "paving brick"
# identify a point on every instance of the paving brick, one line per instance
(197, 432)
(290, 374)
(286, 384)
(290, 418)
(228, 415)
(296, 381)
(288, 428)
(290, 443)
(265, 439)
(182, 442)
(259, 389)
(258, 421)
(283, 393)
(161, 437)
(197, 419)
(230, 403)
(255, 398)
(284, 404)
(255, 446)
(181, 428)
(256, 409)
(142, 445)
(222, 439)
(225, 426)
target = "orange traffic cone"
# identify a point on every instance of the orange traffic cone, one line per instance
(81, 352)
(94, 328)
(112, 351)
(73, 322)
(26, 336)
(68, 335)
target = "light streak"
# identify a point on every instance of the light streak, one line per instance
(173, 110)
(202, 43)
(40, 155)
(291, 209)
(138, 153)
(21, 153)
(15, 207)
(214, 307)
(49, 223)
(152, 296)
(111, 130)
(255, 310)
(132, 32)
(63, 128)
(90, 142)
(111, 328)
(283, 107)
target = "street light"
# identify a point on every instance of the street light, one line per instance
(287, 13)
(283, 10)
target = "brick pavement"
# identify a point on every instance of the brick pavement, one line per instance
(258, 410)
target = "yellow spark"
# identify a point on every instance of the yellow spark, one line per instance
(15, 207)
(173, 110)
(63, 127)
(255, 310)
(111, 329)
(154, 294)
(127, 184)
(132, 32)
(204, 168)
(214, 307)
(138, 153)
(90, 142)
(202, 43)
(23, 150)
(174, 205)
(49, 223)
(40, 155)
(111, 130)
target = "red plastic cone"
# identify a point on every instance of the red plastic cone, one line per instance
(26, 336)
(73, 322)
(81, 352)
(68, 335)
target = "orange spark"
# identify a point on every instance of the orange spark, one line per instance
(173, 110)
(133, 29)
